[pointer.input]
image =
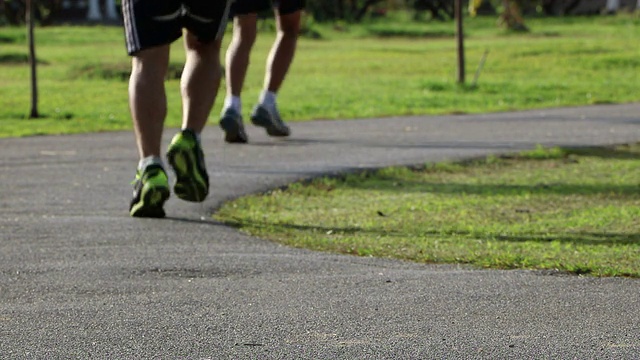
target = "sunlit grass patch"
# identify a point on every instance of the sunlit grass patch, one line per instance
(386, 66)
(575, 210)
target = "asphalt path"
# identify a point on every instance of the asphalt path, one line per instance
(81, 279)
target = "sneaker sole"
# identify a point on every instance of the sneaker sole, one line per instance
(233, 133)
(151, 202)
(266, 123)
(190, 184)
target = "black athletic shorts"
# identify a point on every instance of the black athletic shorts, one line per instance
(243, 7)
(150, 23)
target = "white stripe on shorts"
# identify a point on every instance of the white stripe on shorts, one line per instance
(225, 18)
(133, 41)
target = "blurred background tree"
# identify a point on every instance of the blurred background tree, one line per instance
(46, 12)
(13, 12)
(348, 10)
(511, 13)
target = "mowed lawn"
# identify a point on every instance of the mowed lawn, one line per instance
(376, 69)
(571, 210)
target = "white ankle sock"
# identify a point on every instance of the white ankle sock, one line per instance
(268, 99)
(149, 160)
(232, 102)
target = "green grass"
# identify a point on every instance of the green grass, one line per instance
(574, 210)
(380, 68)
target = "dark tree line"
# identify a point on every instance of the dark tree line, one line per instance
(47, 11)
(44, 11)
(356, 10)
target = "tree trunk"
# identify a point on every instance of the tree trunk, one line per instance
(110, 7)
(613, 5)
(94, 13)
(32, 61)
(360, 13)
(340, 9)
(511, 16)
(459, 40)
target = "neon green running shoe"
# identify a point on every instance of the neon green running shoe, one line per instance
(150, 191)
(187, 160)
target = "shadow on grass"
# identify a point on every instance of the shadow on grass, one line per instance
(628, 151)
(578, 238)
(7, 39)
(573, 51)
(385, 32)
(17, 59)
(398, 183)
(42, 117)
(118, 71)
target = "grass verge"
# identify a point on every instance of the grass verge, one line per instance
(574, 210)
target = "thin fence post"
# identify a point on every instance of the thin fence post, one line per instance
(32, 60)
(460, 40)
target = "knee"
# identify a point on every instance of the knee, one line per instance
(289, 25)
(245, 40)
(291, 33)
(150, 62)
(244, 36)
(202, 49)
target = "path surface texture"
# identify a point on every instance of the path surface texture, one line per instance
(81, 279)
